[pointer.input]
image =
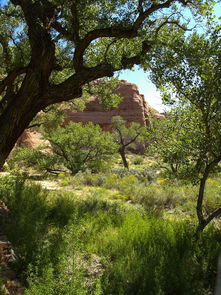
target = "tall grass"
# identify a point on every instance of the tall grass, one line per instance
(70, 246)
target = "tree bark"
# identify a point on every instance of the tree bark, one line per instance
(123, 157)
(13, 122)
(203, 220)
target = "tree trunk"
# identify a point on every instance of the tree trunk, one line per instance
(199, 206)
(123, 157)
(13, 122)
(203, 220)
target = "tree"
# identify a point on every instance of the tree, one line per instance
(79, 146)
(127, 136)
(51, 50)
(190, 76)
(176, 141)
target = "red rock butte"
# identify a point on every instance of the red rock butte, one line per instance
(133, 108)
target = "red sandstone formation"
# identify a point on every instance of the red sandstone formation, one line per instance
(133, 108)
(29, 139)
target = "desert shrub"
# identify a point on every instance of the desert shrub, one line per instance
(138, 160)
(39, 159)
(145, 175)
(166, 195)
(90, 179)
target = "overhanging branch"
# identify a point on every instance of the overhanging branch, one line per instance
(11, 78)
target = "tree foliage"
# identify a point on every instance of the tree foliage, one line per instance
(178, 140)
(79, 146)
(76, 147)
(189, 76)
(50, 51)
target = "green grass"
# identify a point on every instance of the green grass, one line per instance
(99, 244)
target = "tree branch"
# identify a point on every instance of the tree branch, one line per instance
(63, 31)
(216, 213)
(116, 32)
(153, 8)
(132, 140)
(71, 88)
(11, 78)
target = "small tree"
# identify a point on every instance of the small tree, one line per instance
(79, 146)
(126, 137)
(189, 75)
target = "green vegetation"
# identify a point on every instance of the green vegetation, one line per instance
(191, 138)
(101, 244)
(77, 147)
(54, 51)
(102, 229)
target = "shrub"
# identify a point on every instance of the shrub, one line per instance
(152, 256)
(39, 159)
(138, 160)
(79, 147)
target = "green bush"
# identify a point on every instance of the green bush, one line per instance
(38, 159)
(79, 146)
(138, 160)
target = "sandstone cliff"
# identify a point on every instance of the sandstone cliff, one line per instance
(133, 108)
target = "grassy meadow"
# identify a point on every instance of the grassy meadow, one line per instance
(116, 232)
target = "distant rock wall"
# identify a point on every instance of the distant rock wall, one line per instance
(133, 108)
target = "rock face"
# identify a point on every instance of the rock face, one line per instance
(133, 108)
(29, 139)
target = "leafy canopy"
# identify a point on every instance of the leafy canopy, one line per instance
(104, 36)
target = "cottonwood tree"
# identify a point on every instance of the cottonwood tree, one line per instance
(50, 49)
(127, 136)
(189, 75)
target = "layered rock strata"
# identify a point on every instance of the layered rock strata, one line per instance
(133, 108)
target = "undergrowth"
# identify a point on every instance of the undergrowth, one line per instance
(66, 245)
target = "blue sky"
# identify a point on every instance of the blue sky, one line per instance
(140, 78)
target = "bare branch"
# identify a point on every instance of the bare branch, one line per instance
(34, 125)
